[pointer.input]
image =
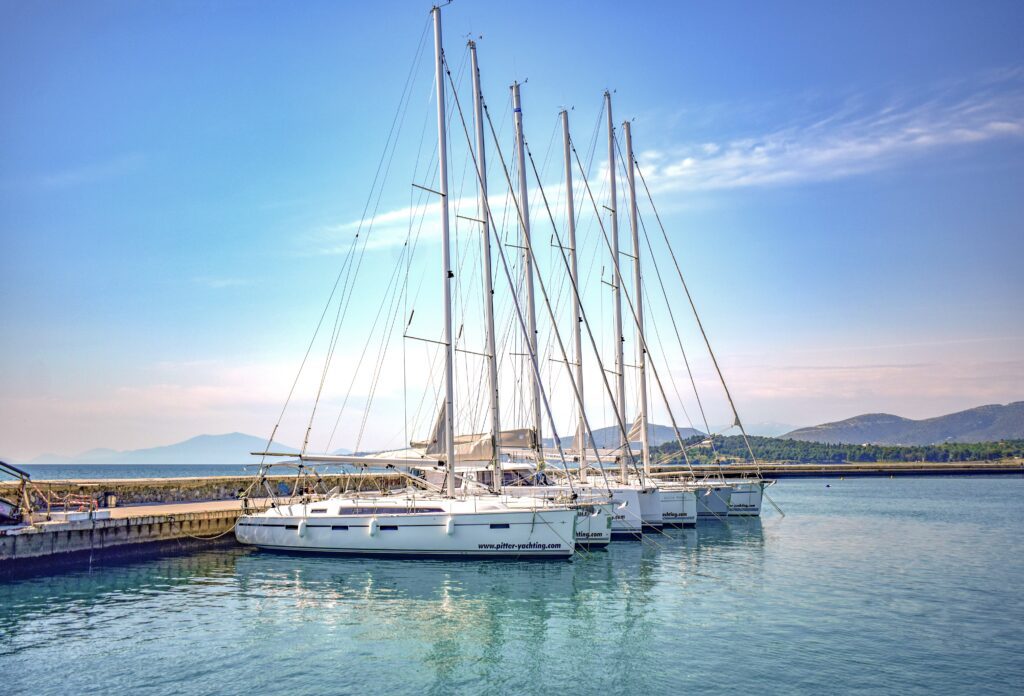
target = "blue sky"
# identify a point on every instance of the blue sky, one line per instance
(842, 183)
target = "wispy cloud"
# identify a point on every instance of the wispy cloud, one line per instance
(861, 135)
(92, 172)
(853, 139)
(418, 222)
(384, 230)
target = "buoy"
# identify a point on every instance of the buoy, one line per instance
(374, 526)
(449, 527)
(302, 528)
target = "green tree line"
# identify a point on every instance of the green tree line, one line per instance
(731, 448)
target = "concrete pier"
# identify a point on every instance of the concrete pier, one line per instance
(162, 515)
(138, 491)
(118, 533)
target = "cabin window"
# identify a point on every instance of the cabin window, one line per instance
(339, 527)
(514, 478)
(384, 511)
(389, 528)
(499, 526)
(291, 526)
(317, 511)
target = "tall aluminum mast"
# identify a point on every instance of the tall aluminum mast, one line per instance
(492, 356)
(446, 339)
(638, 302)
(577, 340)
(620, 368)
(531, 312)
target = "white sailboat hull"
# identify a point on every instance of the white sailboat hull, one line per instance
(713, 501)
(651, 514)
(679, 507)
(627, 523)
(594, 525)
(746, 498)
(436, 529)
(631, 502)
(594, 519)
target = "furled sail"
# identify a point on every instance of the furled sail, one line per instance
(636, 431)
(475, 447)
(437, 443)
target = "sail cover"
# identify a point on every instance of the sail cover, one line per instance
(636, 432)
(438, 442)
(475, 447)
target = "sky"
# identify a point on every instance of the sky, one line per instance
(180, 183)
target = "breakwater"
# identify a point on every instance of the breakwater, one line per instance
(98, 538)
(129, 518)
(142, 491)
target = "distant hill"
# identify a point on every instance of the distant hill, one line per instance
(763, 428)
(231, 448)
(609, 437)
(981, 424)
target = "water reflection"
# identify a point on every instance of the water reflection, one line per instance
(900, 576)
(41, 599)
(458, 621)
(324, 581)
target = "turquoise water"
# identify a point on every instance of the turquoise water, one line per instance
(908, 585)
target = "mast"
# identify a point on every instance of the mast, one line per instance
(488, 287)
(446, 338)
(531, 312)
(620, 371)
(638, 301)
(577, 340)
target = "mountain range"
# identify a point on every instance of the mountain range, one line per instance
(982, 424)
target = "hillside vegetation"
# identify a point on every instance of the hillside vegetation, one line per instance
(731, 449)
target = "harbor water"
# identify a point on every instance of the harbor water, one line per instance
(906, 585)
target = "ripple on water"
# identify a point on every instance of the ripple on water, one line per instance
(871, 585)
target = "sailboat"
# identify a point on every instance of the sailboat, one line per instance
(493, 494)
(414, 522)
(684, 499)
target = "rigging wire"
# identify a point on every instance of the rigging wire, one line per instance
(700, 324)
(348, 288)
(501, 250)
(341, 272)
(369, 338)
(642, 343)
(387, 333)
(627, 451)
